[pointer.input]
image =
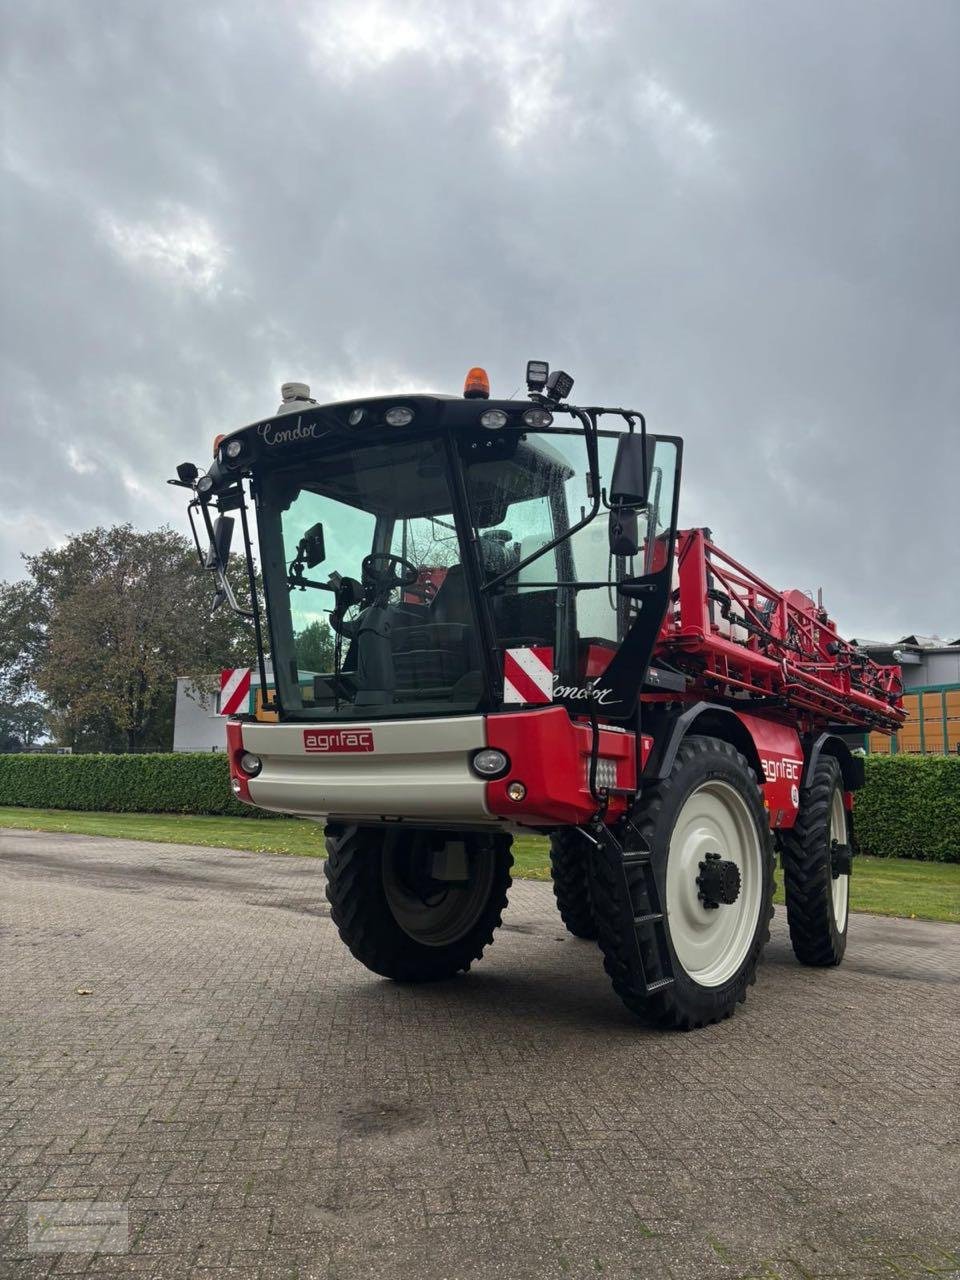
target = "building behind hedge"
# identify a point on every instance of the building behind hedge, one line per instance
(931, 682)
(197, 723)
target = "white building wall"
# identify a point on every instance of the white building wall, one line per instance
(933, 668)
(196, 725)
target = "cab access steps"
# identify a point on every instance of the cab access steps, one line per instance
(638, 899)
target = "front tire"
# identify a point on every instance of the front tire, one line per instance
(569, 858)
(818, 901)
(717, 919)
(415, 906)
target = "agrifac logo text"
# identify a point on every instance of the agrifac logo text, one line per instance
(338, 740)
(775, 769)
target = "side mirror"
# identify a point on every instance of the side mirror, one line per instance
(628, 492)
(632, 470)
(314, 552)
(219, 552)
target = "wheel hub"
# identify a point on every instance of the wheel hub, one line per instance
(841, 859)
(718, 882)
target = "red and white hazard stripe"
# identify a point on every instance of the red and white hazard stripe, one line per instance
(234, 690)
(528, 675)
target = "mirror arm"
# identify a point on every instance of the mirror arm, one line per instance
(255, 601)
(217, 569)
(191, 508)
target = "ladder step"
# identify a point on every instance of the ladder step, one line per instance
(651, 918)
(658, 985)
(635, 859)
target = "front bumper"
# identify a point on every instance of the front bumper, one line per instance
(419, 771)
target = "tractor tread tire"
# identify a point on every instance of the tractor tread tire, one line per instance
(683, 1005)
(359, 909)
(569, 857)
(807, 872)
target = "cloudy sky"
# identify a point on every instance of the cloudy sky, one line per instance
(741, 217)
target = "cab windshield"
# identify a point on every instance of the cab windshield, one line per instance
(439, 588)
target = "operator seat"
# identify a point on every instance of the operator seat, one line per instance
(435, 652)
(451, 604)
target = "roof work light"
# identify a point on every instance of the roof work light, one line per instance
(537, 373)
(559, 385)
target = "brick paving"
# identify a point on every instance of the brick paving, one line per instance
(261, 1106)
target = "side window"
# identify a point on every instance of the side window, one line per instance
(526, 527)
(426, 541)
(430, 544)
(661, 498)
(597, 614)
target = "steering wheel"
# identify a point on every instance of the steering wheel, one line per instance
(383, 570)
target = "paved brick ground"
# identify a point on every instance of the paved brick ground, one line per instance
(263, 1106)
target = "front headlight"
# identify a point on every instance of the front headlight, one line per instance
(490, 763)
(493, 419)
(538, 418)
(398, 416)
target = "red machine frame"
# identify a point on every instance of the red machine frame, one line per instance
(790, 659)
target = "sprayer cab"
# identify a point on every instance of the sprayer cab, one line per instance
(409, 544)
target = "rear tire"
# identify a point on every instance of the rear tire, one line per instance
(818, 906)
(569, 859)
(412, 906)
(710, 803)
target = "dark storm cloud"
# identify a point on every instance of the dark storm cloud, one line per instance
(741, 218)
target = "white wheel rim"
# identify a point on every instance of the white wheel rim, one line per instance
(839, 885)
(712, 943)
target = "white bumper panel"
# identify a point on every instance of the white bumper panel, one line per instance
(418, 769)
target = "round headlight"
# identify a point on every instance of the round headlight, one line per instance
(399, 416)
(493, 419)
(250, 764)
(538, 417)
(516, 791)
(490, 762)
(233, 449)
(355, 417)
(205, 485)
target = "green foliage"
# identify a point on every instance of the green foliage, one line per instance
(169, 783)
(103, 625)
(22, 723)
(910, 808)
(314, 646)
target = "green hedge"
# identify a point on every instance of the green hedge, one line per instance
(169, 783)
(910, 808)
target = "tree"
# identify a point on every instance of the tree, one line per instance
(21, 724)
(102, 626)
(314, 646)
